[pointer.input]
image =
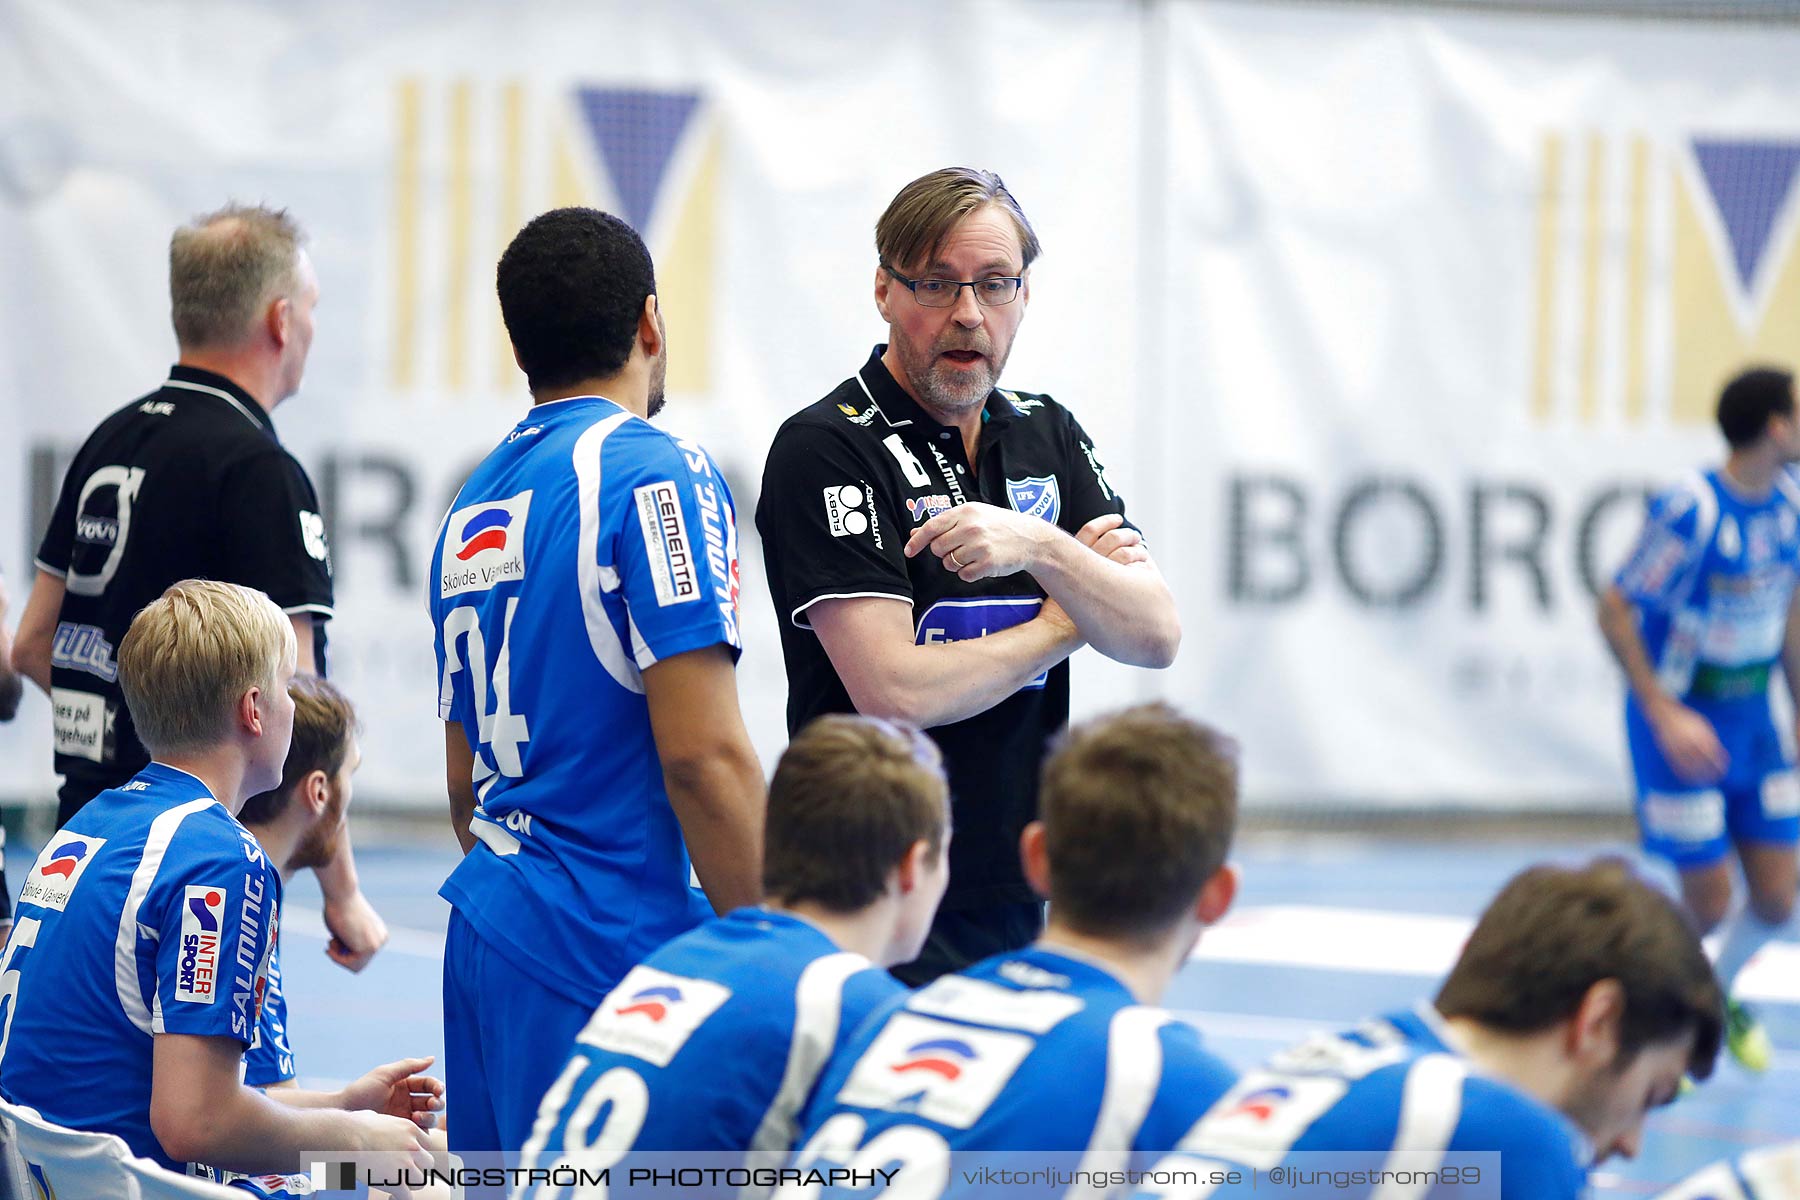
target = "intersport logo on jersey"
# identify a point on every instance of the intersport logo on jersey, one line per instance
(197, 968)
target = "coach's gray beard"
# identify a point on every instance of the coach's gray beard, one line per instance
(958, 393)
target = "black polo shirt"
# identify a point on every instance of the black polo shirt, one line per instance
(187, 482)
(848, 480)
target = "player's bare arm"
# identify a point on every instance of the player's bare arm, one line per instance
(714, 780)
(1125, 611)
(1686, 737)
(12, 685)
(37, 628)
(870, 643)
(459, 782)
(201, 1113)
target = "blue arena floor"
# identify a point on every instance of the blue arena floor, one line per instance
(1328, 929)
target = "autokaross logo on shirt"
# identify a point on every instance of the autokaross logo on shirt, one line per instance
(850, 511)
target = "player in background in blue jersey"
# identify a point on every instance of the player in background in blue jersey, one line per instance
(1579, 1001)
(584, 595)
(1054, 1047)
(1700, 617)
(132, 982)
(714, 1042)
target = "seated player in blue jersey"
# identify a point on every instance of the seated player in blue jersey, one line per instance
(1700, 617)
(1579, 1001)
(1054, 1047)
(715, 1041)
(133, 981)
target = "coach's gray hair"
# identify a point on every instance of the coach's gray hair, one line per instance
(923, 213)
(226, 267)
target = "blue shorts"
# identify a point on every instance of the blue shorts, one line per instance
(1758, 800)
(506, 1036)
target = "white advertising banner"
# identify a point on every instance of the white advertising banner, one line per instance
(1442, 295)
(753, 145)
(1383, 320)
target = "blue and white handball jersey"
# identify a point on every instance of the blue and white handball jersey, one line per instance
(1032, 1050)
(1392, 1086)
(1712, 575)
(587, 547)
(712, 1043)
(152, 912)
(270, 1059)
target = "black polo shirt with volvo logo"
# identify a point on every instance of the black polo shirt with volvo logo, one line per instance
(848, 480)
(187, 482)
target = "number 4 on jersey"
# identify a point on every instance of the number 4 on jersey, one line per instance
(502, 731)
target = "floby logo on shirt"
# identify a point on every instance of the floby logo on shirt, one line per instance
(58, 869)
(667, 547)
(652, 1014)
(944, 1072)
(965, 620)
(484, 545)
(843, 511)
(312, 536)
(1035, 496)
(197, 961)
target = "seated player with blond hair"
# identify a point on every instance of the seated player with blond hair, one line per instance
(715, 1041)
(134, 977)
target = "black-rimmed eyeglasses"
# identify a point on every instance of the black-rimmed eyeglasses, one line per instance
(942, 293)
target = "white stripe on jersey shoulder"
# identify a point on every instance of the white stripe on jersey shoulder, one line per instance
(799, 624)
(641, 654)
(1706, 503)
(125, 975)
(891, 424)
(1789, 489)
(818, 1011)
(213, 391)
(1430, 1108)
(47, 569)
(601, 636)
(318, 610)
(1134, 1067)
